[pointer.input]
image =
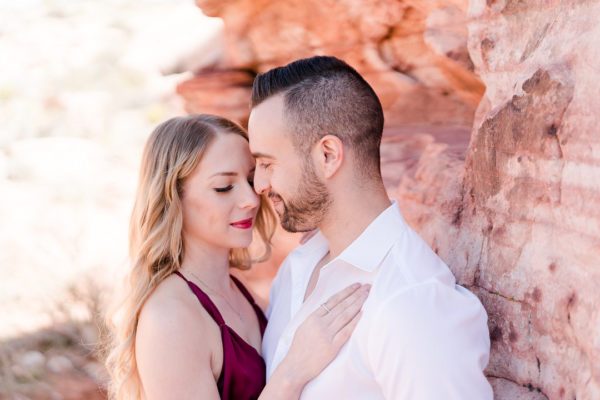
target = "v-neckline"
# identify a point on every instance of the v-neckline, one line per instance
(233, 332)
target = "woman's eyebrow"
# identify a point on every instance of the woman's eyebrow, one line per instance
(225, 174)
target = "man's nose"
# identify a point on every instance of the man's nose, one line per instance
(250, 199)
(261, 182)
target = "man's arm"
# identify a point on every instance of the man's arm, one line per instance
(430, 342)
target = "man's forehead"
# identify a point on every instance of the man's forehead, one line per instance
(267, 113)
(266, 124)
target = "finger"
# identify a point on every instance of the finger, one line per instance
(344, 334)
(345, 302)
(321, 311)
(341, 295)
(347, 309)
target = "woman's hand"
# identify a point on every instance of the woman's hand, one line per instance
(320, 337)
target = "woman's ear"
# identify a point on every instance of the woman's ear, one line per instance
(330, 153)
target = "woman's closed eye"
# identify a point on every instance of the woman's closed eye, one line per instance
(264, 165)
(229, 187)
(224, 189)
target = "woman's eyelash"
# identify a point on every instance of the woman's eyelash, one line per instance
(265, 165)
(224, 189)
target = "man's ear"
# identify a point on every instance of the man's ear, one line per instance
(330, 154)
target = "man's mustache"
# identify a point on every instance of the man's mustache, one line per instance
(274, 196)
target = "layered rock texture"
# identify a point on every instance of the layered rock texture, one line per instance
(531, 194)
(504, 187)
(414, 53)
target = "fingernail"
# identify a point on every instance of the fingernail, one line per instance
(355, 285)
(367, 287)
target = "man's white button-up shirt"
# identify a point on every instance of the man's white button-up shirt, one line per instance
(421, 336)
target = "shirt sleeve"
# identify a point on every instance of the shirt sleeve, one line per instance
(430, 342)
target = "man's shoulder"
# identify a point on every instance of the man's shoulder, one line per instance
(430, 309)
(428, 298)
(430, 329)
(411, 262)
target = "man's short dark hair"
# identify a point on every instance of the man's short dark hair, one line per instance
(326, 96)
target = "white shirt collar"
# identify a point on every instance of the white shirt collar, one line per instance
(369, 248)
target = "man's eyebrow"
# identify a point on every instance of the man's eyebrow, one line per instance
(262, 155)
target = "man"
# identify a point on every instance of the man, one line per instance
(315, 128)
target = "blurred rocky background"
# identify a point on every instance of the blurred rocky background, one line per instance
(490, 146)
(82, 84)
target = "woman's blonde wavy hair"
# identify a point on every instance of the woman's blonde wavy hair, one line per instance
(172, 152)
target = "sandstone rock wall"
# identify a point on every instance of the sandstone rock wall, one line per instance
(532, 191)
(414, 53)
(509, 199)
(519, 221)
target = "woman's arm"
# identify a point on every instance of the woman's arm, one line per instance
(173, 352)
(316, 343)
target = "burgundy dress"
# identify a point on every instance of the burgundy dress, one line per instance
(243, 374)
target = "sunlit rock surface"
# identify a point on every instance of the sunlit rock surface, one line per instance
(532, 192)
(414, 53)
(519, 221)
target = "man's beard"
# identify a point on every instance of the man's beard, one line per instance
(308, 207)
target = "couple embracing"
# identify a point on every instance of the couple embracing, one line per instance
(363, 310)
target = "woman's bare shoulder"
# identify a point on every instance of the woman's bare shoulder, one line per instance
(172, 307)
(175, 342)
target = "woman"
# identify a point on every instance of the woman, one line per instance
(187, 329)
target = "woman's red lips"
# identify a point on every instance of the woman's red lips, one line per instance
(245, 224)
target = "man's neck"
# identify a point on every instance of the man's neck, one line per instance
(349, 216)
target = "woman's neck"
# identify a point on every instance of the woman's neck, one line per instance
(208, 265)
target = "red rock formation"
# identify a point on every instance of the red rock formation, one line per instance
(221, 92)
(419, 66)
(519, 222)
(532, 192)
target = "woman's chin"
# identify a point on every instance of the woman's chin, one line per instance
(243, 242)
